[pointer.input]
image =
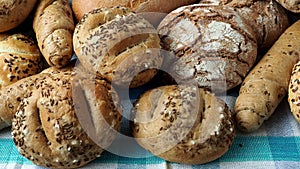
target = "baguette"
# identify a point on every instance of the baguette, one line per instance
(53, 24)
(267, 84)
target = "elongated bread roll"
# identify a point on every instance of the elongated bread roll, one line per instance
(53, 24)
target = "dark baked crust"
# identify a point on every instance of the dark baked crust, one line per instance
(212, 45)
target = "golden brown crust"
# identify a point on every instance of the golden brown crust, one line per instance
(14, 12)
(48, 127)
(53, 24)
(267, 83)
(293, 92)
(19, 58)
(183, 124)
(118, 44)
(160, 6)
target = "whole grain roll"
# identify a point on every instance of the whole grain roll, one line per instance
(19, 58)
(118, 44)
(66, 120)
(182, 123)
(14, 12)
(211, 44)
(293, 92)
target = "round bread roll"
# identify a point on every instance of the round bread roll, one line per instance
(183, 124)
(293, 92)
(81, 7)
(19, 58)
(14, 12)
(66, 120)
(211, 44)
(121, 46)
(267, 18)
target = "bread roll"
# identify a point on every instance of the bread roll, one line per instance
(53, 24)
(66, 119)
(183, 124)
(293, 92)
(14, 12)
(81, 7)
(19, 58)
(211, 44)
(267, 18)
(121, 46)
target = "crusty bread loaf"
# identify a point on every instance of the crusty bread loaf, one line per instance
(53, 24)
(212, 45)
(81, 7)
(19, 58)
(184, 124)
(267, 18)
(65, 119)
(14, 12)
(118, 44)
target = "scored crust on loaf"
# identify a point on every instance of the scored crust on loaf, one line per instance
(293, 92)
(212, 45)
(19, 58)
(119, 45)
(182, 124)
(46, 128)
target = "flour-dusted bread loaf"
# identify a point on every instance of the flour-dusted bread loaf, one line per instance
(118, 44)
(14, 12)
(53, 24)
(267, 18)
(183, 123)
(19, 58)
(212, 45)
(66, 119)
(158, 8)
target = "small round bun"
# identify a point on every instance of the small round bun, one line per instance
(14, 12)
(294, 92)
(183, 124)
(19, 58)
(118, 44)
(67, 120)
(212, 44)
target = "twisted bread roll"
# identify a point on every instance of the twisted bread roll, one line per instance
(53, 24)
(14, 12)
(19, 58)
(183, 124)
(118, 44)
(65, 119)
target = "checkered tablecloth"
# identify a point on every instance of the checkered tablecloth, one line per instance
(275, 145)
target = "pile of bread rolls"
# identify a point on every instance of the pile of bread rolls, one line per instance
(57, 103)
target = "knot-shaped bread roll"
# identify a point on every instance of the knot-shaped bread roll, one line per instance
(183, 123)
(120, 45)
(62, 118)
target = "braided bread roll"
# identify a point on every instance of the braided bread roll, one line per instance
(65, 119)
(53, 24)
